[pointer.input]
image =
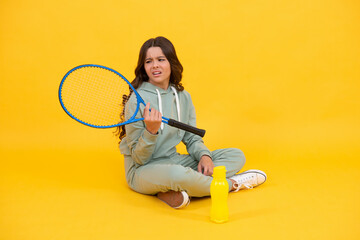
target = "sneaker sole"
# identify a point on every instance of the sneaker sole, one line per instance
(186, 200)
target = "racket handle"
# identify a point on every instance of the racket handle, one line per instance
(186, 127)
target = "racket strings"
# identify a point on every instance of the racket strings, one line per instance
(93, 95)
(125, 98)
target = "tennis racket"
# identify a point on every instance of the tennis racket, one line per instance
(92, 95)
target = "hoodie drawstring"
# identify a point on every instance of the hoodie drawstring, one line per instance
(160, 107)
(177, 104)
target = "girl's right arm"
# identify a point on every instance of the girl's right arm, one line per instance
(140, 141)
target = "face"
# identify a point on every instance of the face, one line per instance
(157, 67)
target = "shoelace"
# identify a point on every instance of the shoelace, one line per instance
(244, 182)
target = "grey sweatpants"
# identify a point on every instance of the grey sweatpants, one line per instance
(180, 173)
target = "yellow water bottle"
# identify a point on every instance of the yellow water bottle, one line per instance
(219, 190)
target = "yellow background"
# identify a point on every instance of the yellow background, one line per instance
(277, 79)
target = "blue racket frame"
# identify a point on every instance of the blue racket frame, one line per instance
(168, 121)
(138, 97)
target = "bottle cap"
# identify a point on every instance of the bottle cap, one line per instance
(219, 172)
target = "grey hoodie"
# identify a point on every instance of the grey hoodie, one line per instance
(140, 147)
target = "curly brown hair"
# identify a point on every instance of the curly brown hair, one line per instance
(140, 74)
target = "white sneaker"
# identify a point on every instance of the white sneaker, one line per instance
(248, 179)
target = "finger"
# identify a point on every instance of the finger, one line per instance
(154, 114)
(199, 168)
(206, 171)
(146, 110)
(210, 171)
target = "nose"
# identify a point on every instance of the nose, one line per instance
(155, 64)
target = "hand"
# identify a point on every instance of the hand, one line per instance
(152, 119)
(206, 165)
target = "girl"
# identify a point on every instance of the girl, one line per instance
(152, 165)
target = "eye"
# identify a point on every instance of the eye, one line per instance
(148, 61)
(162, 59)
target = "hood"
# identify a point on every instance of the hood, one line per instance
(148, 87)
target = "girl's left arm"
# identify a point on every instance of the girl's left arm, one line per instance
(194, 144)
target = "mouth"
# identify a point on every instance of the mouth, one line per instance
(156, 73)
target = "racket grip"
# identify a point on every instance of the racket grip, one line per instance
(186, 127)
